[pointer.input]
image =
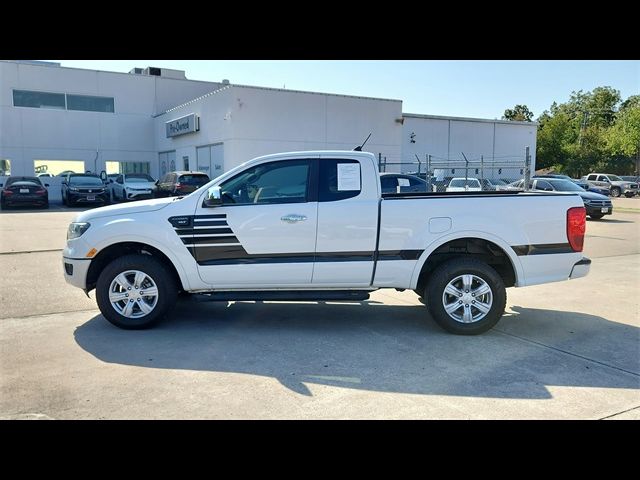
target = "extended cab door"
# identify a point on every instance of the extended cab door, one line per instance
(264, 233)
(347, 222)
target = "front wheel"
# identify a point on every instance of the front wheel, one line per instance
(135, 291)
(596, 216)
(615, 192)
(466, 296)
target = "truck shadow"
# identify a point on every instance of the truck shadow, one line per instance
(379, 347)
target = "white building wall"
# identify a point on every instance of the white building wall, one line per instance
(270, 121)
(28, 134)
(445, 138)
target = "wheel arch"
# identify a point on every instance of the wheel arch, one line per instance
(116, 249)
(427, 261)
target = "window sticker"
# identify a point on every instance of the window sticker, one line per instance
(348, 176)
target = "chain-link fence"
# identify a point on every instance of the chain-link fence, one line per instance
(454, 175)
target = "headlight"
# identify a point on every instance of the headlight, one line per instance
(76, 229)
(73, 189)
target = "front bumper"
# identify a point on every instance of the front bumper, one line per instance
(581, 268)
(591, 210)
(84, 198)
(75, 271)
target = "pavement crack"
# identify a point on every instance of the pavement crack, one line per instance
(32, 251)
(619, 413)
(567, 352)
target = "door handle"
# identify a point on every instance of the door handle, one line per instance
(293, 218)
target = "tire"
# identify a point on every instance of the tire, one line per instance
(3, 204)
(596, 216)
(453, 271)
(615, 192)
(156, 272)
(64, 200)
(629, 195)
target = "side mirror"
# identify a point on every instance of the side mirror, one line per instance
(103, 176)
(213, 198)
(46, 185)
(111, 180)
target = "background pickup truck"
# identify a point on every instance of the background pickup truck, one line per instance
(315, 226)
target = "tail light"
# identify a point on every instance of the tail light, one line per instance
(41, 191)
(179, 186)
(576, 226)
(6, 191)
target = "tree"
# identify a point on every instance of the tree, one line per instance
(520, 113)
(592, 131)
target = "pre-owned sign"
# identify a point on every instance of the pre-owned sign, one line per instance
(182, 125)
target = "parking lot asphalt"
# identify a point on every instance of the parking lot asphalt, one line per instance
(564, 350)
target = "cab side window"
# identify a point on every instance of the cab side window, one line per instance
(329, 189)
(592, 177)
(269, 183)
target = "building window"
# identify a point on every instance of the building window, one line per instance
(127, 167)
(88, 103)
(61, 101)
(25, 98)
(5, 167)
(53, 168)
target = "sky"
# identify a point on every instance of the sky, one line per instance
(474, 88)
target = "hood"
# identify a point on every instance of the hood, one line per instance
(125, 209)
(592, 196)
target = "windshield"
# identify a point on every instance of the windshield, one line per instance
(196, 180)
(139, 178)
(461, 182)
(85, 181)
(615, 178)
(565, 185)
(12, 180)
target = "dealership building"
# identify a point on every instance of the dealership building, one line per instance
(155, 120)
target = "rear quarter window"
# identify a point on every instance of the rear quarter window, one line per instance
(328, 185)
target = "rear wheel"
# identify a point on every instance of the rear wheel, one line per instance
(135, 291)
(466, 296)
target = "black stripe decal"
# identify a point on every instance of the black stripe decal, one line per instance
(219, 215)
(399, 254)
(344, 256)
(210, 223)
(542, 249)
(202, 231)
(223, 239)
(237, 255)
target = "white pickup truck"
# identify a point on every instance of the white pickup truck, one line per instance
(315, 226)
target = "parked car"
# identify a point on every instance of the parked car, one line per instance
(464, 185)
(401, 183)
(24, 191)
(581, 183)
(501, 184)
(597, 205)
(487, 185)
(131, 186)
(83, 188)
(613, 183)
(180, 183)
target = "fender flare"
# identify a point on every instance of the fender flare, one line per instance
(515, 261)
(112, 240)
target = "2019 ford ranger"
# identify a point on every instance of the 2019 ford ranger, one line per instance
(315, 226)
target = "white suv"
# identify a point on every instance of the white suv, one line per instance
(132, 186)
